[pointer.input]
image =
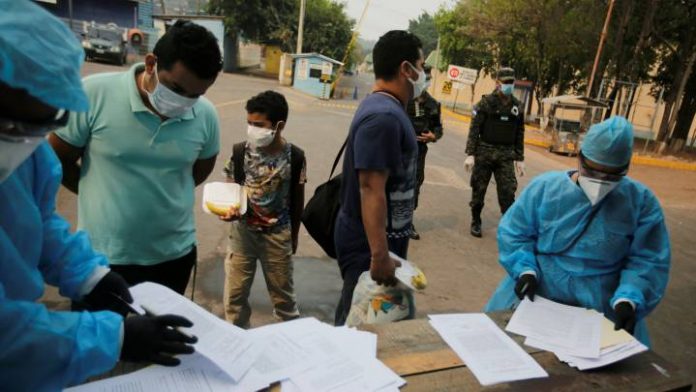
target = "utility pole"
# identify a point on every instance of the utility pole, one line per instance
(351, 44)
(602, 38)
(437, 67)
(300, 28)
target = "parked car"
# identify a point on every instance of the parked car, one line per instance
(105, 43)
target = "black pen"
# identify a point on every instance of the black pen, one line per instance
(143, 311)
(129, 305)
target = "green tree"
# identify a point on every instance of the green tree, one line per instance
(327, 28)
(546, 41)
(424, 28)
(675, 34)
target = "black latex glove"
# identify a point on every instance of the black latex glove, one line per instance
(154, 339)
(625, 317)
(103, 296)
(526, 285)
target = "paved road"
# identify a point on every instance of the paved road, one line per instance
(462, 271)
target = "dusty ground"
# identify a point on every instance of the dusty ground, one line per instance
(463, 271)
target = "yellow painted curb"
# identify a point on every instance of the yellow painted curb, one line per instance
(463, 117)
(337, 105)
(663, 163)
(537, 142)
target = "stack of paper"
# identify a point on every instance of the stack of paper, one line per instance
(487, 351)
(614, 346)
(580, 337)
(304, 354)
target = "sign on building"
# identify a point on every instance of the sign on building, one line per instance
(303, 69)
(447, 87)
(326, 68)
(461, 74)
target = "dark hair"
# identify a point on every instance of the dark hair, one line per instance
(270, 103)
(193, 45)
(392, 49)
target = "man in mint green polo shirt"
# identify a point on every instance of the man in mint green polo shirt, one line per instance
(148, 139)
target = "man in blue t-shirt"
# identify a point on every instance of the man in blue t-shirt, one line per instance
(379, 169)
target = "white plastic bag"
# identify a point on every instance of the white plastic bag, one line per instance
(379, 304)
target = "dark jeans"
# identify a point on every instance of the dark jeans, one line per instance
(353, 253)
(173, 273)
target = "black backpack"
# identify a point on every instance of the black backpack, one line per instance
(320, 213)
(297, 156)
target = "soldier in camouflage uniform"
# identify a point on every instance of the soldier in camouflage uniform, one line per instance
(424, 112)
(495, 146)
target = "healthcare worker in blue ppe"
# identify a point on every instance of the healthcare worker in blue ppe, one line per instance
(591, 237)
(42, 350)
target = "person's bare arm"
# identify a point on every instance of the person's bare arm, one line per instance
(373, 205)
(69, 156)
(296, 215)
(202, 169)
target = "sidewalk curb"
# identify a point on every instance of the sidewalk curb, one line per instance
(337, 105)
(663, 163)
(636, 160)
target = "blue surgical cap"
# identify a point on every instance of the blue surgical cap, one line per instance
(39, 54)
(609, 143)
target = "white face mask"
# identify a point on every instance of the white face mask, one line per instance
(260, 137)
(167, 102)
(596, 190)
(420, 84)
(12, 154)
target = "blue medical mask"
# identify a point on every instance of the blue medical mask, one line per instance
(507, 89)
(167, 102)
(420, 84)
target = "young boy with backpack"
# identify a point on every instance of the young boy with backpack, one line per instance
(273, 172)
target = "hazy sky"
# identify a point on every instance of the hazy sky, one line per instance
(385, 15)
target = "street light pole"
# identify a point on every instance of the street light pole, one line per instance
(300, 28)
(602, 38)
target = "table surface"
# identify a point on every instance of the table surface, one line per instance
(415, 351)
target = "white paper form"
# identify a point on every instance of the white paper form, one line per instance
(356, 343)
(282, 358)
(556, 327)
(229, 347)
(377, 377)
(486, 350)
(196, 373)
(345, 362)
(608, 356)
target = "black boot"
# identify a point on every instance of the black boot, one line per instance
(476, 222)
(414, 234)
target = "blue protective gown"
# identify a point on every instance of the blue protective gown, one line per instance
(624, 254)
(40, 349)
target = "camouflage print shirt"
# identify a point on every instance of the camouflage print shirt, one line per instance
(424, 114)
(493, 105)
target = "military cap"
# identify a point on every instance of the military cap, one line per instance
(506, 74)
